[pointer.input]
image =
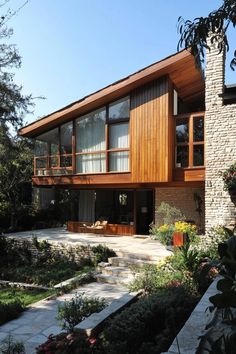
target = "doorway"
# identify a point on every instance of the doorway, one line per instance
(144, 211)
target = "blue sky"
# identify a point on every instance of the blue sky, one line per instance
(71, 48)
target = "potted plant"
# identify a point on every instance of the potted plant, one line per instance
(183, 232)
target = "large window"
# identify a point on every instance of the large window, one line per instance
(102, 139)
(53, 151)
(101, 143)
(190, 141)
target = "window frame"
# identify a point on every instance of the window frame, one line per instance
(191, 143)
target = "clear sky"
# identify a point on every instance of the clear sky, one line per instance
(71, 48)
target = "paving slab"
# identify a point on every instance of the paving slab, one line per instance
(35, 324)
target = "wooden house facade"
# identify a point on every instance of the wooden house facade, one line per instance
(120, 146)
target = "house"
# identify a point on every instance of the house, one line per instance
(132, 145)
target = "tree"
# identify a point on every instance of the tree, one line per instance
(13, 104)
(194, 34)
(16, 166)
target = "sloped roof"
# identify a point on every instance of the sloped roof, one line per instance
(181, 68)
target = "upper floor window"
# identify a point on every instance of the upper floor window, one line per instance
(189, 134)
(101, 143)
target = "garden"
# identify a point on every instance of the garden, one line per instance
(32, 270)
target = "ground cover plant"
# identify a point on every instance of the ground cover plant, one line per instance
(39, 263)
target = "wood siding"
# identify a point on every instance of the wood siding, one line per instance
(150, 129)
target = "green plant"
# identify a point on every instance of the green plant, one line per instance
(167, 214)
(64, 343)
(146, 324)
(9, 346)
(102, 253)
(9, 311)
(188, 228)
(229, 178)
(78, 308)
(162, 233)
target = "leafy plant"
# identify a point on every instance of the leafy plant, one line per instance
(9, 346)
(167, 214)
(64, 343)
(102, 253)
(77, 309)
(188, 228)
(229, 178)
(163, 233)
(9, 311)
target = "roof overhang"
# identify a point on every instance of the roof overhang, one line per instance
(181, 68)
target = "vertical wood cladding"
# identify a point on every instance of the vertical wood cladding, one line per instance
(150, 132)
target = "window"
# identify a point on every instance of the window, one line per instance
(90, 142)
(189, 134)
(101, 143)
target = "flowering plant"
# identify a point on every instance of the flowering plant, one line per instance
(185, 227)
(229, 178)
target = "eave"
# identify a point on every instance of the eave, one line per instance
(180, 67)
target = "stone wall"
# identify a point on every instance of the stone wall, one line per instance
(183, 199)
(220, 138)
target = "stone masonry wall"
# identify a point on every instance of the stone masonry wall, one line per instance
(183, 199)
(220, 139)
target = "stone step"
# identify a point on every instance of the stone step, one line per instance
(140, 256)
(111, 279)
(117, 271)
(126, 261)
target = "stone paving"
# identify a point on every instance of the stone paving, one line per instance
(35, 324)
(128, 244)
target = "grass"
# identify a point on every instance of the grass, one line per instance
(46, 275)
(26, 296)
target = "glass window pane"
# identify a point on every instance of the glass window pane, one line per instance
(198, 129)
(90, 163)
(66, 138)
(182, 133)
(66, 161)
(182, 156)
(119, 109)
(90, 131)
(198, 155)
(119, 136)
(53, 161)
(40, 148)
(51, 137)
(119, 161)
(41, 162)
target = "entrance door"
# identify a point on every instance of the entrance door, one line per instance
(145, 211)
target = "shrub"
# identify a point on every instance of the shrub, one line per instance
(64, 343)
(190, 229)
(9, 311)
(167, 214)
(102, 253)
(229, 178)
(78, 308)
(9, 346)
(147, 323)
(163, 233)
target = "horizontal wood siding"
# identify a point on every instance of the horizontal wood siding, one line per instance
(149, 132)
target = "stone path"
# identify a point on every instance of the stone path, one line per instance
(35, 324)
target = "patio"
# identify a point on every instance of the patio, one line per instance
(132, 246)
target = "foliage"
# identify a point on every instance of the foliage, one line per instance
(194, 34)
(11, 310)
(167, 214)
(102, 253)
(229, 178)
(16, 169)
(9, 346)
(77, 309)
(163, 233)
(151, 323)
(25, 296)
(13, 104)
(64, 343)
(37, 262)
(185, 227)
